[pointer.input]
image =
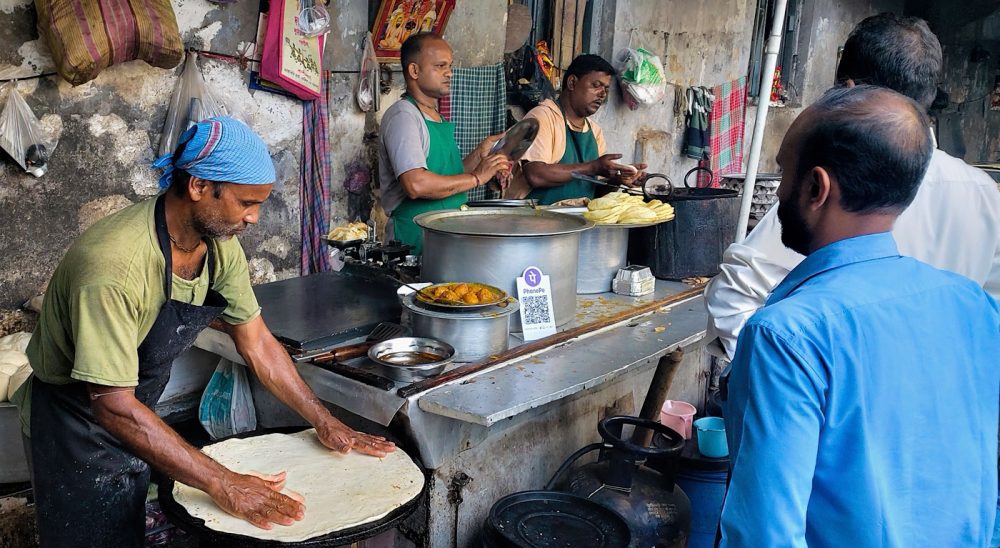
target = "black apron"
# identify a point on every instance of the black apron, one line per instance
(89, 489)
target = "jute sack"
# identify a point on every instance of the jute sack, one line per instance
(87, 36)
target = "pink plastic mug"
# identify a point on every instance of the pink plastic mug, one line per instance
(678, 416)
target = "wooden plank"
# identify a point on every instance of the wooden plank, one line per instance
(541, 344)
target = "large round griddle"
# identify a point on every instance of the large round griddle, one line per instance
(180, 517)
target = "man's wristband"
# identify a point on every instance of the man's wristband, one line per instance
(476, 177)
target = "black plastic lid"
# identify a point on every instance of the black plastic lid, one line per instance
(552, 519)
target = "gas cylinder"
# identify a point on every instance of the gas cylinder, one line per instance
(657, 511)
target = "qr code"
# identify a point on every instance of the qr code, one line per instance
(536, 309)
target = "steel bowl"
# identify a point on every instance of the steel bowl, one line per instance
(474, 335)
(410, 359)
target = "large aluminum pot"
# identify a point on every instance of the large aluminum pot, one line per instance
(494, 246)
(475, 334)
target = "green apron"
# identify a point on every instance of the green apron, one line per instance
(443, 158)
(580, 147)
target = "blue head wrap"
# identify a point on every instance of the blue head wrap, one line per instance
(220, 149)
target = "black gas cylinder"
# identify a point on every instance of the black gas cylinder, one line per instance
(657, 511)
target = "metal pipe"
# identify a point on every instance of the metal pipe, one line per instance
(763, 102)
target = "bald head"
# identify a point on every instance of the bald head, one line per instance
(415, 45)
(874, 141)
(426, 60)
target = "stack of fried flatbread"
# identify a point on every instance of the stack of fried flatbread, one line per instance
(627, 209)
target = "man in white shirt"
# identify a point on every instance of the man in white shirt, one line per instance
(953, 223)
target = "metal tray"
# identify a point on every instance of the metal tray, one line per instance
(210, 537)
(424, 298)
(508, 202)
(516, 140)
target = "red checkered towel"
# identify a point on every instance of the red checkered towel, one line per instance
(726, 122)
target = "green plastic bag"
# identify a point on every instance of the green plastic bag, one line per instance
(643, 77)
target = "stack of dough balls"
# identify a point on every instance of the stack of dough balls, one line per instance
(627, 209)
(14, 368)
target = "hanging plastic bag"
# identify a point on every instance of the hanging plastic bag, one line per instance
(227, 405)
(643, 77)
(368, 79)
(22, 136)
(191, 103)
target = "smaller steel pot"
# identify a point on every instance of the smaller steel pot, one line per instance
(475, 334)
(409, 359)
(603, 252)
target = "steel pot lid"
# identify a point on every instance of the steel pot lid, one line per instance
(501, 222)
(503, 202)
(492, 311)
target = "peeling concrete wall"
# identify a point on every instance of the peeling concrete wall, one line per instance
(700, 43)
(967, 128)
(708, 43)
(108, 132)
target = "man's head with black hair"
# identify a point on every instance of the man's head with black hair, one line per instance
(893, 51)
(857, 154)
(426, 59)
(586, 83)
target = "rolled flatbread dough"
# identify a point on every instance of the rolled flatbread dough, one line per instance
(341, 491)
(11, 362)
(15, 341)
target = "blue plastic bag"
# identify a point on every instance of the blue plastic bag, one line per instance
(227, 404)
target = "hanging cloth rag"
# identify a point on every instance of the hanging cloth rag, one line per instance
(726, 128)
(314, 184)
(478, 108)
(696, 134)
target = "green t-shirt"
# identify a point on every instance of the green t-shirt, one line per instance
(105, 295)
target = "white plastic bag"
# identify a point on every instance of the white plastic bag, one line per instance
(643, 77)
(227, 405)
(368, 78)
(22, 136)
(191, 103)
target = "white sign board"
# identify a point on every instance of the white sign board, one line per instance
(538, 318)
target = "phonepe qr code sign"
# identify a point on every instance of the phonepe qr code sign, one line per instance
(535, 294)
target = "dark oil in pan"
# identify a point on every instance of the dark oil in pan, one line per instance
(410, 357)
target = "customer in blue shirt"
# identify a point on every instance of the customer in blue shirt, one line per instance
(862, 402)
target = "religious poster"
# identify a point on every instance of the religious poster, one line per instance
(397, 20)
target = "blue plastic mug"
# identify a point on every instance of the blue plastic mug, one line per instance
(712, 437)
